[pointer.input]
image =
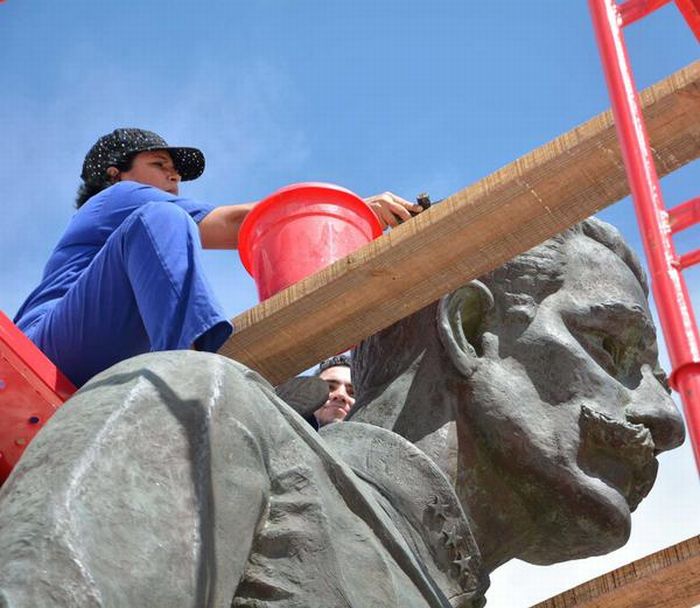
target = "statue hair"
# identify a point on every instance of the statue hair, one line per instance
(517, 286)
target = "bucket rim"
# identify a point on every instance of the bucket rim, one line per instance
(245, 230)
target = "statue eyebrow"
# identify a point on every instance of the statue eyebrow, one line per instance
(631, 312)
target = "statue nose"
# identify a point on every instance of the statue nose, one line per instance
(653, 407)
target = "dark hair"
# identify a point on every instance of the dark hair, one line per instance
(88, 189)
(337, 361)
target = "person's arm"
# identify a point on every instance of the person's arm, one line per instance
(219, 228)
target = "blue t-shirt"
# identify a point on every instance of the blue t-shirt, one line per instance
(87, 233)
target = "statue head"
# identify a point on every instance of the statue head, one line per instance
(538, 390)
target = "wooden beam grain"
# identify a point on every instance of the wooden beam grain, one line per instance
(669, 578)
(468, 234)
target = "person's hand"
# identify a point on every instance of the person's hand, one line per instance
(391, 209)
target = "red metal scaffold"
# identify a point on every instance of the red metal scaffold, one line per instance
(657, 224)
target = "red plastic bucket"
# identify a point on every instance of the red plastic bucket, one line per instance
(300, 229)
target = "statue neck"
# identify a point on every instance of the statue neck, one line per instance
(424, 405)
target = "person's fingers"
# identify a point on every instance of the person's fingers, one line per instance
(382, 221)
(377, 203)
(399, 210)
(408, 205)
(387, 216)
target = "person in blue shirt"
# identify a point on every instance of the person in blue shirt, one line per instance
(126, 277)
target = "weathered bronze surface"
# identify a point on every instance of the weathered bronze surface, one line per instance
(520, 416)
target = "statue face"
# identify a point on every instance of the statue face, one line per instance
(567, 415)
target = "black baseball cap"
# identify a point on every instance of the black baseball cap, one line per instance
(113, 149)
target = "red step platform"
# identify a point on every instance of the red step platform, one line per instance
(31, 390)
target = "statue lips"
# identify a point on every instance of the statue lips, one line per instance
(619, 452)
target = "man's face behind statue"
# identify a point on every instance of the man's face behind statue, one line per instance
(568, 411)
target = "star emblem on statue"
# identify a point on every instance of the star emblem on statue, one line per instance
(438, 507)
(452, 539)
(462, 562)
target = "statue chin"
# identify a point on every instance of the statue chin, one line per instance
(614, 471)
(597, 523)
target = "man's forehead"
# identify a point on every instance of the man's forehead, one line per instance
(339, 373)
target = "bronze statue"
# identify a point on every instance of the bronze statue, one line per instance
(537, 391)
(522, 415)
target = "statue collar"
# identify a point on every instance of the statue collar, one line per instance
(421, 504)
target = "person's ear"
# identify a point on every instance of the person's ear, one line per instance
(113, 173)
(460, 321)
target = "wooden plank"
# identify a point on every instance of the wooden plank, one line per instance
(669, 578)
(468, 234)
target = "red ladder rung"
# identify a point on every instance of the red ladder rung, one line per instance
(634, 10)
(684, 215)
(689, 259)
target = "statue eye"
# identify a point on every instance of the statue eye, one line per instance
(614, 349)
(620, 360)
(603, 349)
(619, 343)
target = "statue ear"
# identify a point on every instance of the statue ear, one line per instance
(460, 320)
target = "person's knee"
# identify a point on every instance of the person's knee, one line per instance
(162, 225)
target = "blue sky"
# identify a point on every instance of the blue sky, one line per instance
(384, 95)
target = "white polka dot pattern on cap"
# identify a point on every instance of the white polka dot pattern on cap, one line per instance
(113, 149)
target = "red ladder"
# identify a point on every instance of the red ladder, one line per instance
(657, 224)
